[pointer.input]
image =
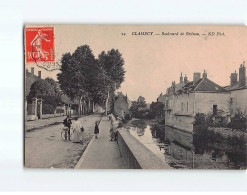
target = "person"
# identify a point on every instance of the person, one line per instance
(77, 132)
(115, 134)
(67, 123)
(96, 130)
(112, 134)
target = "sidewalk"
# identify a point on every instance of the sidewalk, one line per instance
(41, 123)
(102, 153)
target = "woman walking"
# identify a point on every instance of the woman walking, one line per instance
(77, 131)
(96, 130)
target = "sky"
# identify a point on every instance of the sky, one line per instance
(153, 61)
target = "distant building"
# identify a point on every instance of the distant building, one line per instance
(238, 89)
(121, 105)
(30, 78)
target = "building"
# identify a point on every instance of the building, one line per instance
(33, 110)
(121, 105)
(30, 78)
(185, 99)
(238, 89)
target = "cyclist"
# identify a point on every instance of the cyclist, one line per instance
(67, 123)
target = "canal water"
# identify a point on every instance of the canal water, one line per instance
(176, 148)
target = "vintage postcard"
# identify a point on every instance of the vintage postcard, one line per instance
(135, 97)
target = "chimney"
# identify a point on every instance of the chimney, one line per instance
(204, 75)
(234, 78)
(242, 75)
(173, 86)
(185, 79)
(181, 78)
(39, 74)
(32, 71)
(196, 77)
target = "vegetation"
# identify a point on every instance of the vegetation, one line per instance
(48, 91)
(239, 121)
(208, 140)
(83, 77)
(157, 110)
(138, 108)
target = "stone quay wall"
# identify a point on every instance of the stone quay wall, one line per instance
(135, 154)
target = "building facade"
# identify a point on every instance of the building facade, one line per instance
(187, 98)
(121, 105)
(238, 89)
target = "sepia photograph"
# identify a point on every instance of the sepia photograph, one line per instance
(135, 97)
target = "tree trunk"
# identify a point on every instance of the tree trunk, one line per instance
(79, 106)
(106, 103)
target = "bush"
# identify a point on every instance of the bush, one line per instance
(158, 132)
(48, 109)
(127, 117)
(238, 122)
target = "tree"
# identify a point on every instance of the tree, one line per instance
(157, 109)
(141, 102)
(111, 64)
(136, 105)
(48, 91)
(77, 74)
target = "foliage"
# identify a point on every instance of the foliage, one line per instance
(156, 109)
(112, 64)
(141, 102)
(136, 108)
(48, 109)
(127, 117)
(77, 72)
(83, 77)
(239, 121)
(205, 139)
(158, 131)
(47, 90)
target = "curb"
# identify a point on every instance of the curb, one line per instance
(79, 163)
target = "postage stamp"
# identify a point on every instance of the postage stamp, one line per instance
(40, 47)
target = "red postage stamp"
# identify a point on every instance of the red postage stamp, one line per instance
(39, 43)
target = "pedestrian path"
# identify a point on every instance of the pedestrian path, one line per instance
(102, 153)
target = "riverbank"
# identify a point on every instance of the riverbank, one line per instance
(214, 151)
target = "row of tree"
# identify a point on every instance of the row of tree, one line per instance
(86, 78)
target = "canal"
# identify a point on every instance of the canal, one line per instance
(179, 150)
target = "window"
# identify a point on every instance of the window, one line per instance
(215, 109)
(182, 106)
(187, 106)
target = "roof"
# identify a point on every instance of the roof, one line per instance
(235, 86)
(209, 86)
(120, 94)
(202, 85)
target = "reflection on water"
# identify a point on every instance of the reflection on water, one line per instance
(177, 149)
(144, 135)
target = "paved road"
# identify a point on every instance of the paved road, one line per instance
(44, 148)
(103, 153)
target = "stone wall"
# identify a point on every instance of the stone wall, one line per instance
(184, 138)
(136, 155)
(204, 102)
(181, 116)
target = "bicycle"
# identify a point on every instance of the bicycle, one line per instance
(64, 133)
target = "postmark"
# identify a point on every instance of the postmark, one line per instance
(40, 47)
